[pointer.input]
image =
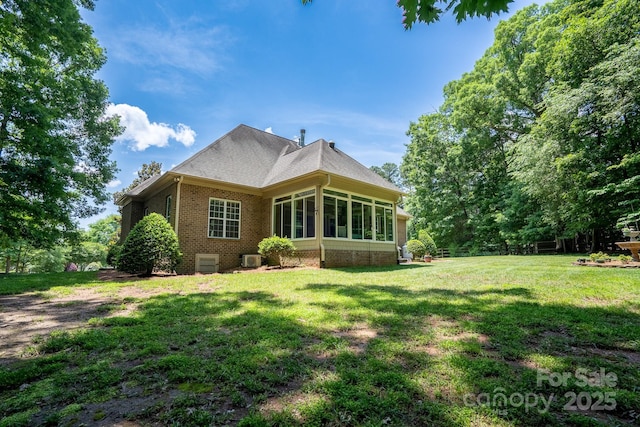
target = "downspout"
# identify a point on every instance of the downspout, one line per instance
(321, 228)
(177, 219)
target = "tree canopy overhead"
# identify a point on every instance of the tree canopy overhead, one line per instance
(54, 139)
(429, 11)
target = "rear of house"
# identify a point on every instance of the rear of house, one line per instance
(250, 184)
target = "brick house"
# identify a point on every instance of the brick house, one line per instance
(251, 184)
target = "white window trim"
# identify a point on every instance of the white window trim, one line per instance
(224, 219)
(167, 207)
(373, 204)
(292, 199)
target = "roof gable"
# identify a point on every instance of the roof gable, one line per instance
(253, 158)
(244, 156)
(320, 156)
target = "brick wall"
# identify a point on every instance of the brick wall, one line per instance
(254, 226)
(308, 258)
(402, 232)
(132, 212)
(157, 203)
(194, 225)
(339, 258)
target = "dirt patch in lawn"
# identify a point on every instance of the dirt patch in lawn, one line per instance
(25, 317)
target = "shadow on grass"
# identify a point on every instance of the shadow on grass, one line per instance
(11, 284)
(251, 358)
(380, 268)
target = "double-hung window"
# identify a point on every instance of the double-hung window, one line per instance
(224, 219)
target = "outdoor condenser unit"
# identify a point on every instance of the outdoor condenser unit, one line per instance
(251, 260)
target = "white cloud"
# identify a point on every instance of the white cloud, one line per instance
(269, 130)
(189, 47)
(114, 184)
(143, 133)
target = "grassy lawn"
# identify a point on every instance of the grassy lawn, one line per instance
(468, 341)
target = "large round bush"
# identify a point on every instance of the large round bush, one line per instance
(427, 241)
(416, 247)
(151, 244)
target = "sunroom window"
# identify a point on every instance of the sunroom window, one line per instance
(294, 215)
(368, 219)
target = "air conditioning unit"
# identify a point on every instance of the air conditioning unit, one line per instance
(251, 260)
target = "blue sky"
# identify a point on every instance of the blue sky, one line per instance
(183, 73)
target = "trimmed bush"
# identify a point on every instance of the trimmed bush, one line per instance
(276, 248)
(151, 244)
(113, 254)
(427, 241)
(416, 247)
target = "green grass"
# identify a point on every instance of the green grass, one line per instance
(405, 345)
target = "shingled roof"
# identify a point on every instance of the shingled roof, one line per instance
(253, 158)
(244, 156)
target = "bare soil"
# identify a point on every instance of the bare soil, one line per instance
(25, 317)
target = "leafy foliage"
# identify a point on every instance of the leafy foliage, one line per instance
(416, 247)
(113, 253)
(86, 253)
(151, 244)
(429, 11)
(390, 172)
(277, 248)
(145, 172)
(427, 241)
(51, 260)
(54, 139)
(541, 139)
(105, 231)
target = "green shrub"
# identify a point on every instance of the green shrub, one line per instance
(427, 241)
(625, 259)
(600, 257)
(276, 248)
(151, 244)
(416, 247)
(113, 253)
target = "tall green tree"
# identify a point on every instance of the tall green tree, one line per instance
(580, 162)
(85, 253)
(436, 166)
(55, 141)
(105, 231)
(146, 171)
(390, 172)
(542, 136)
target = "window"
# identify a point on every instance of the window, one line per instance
(294, 215)
(364, 215)
(361, 221)
(384, 224)
(167, 208)
(335, 216)
(224, 219)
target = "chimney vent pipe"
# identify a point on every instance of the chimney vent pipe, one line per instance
(302, 133)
